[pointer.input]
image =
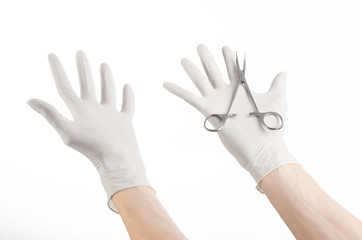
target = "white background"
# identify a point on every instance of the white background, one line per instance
(48, 191)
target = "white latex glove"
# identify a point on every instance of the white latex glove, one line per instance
(256, 148)
(99, 131)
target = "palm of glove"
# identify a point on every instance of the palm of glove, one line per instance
(101, 132)
(243, 136)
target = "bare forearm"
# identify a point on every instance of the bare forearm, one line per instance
(144, 216)
(307, 210)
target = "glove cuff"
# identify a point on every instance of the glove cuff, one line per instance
(269, 158)
(119, 181)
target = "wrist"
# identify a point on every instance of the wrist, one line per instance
(269, 157)
(124, 199)
(118, 186)
(281, 176)
(117, 175)
(144, 215)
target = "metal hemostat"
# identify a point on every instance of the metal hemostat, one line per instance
(260, 115)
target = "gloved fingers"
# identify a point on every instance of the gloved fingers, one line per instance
(189, 97)
(64, 88)
(229, 57)
(212, 71)
(128, 100)
(196, 76)
(108, 92)
(57, 120)
(87, 90)
(277, 87)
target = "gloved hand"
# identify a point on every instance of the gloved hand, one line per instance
(256, 148)
(100, 132)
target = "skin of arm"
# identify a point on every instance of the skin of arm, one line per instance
(144, 216)
(306, 209)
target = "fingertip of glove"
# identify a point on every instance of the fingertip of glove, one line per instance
(104, 66)
(80, 53)
(201, 47)
(167, 85)
(184, 61)
(33, 103)
(226, 49)
(52, 58)
(127, 87)
(282, 74)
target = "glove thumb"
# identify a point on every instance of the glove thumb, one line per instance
(57, 120)
(277, 87)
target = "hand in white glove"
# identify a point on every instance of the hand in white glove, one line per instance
(256, 148)
(100, 132)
